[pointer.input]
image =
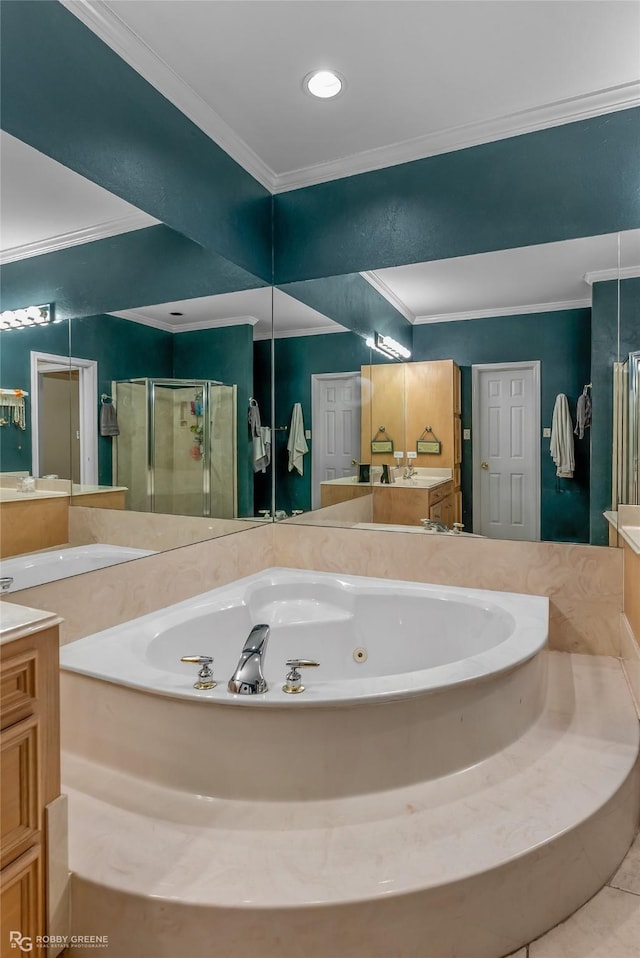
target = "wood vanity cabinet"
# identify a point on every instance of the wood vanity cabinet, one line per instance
(405, 398)
(30, 775)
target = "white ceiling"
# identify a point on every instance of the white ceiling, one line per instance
(253, 306)
(45, 206)
(422, 76)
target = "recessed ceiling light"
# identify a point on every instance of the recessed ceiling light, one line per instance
(323, 84)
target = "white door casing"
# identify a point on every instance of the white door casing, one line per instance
(335, 419)
(506, 450)
(88, 412)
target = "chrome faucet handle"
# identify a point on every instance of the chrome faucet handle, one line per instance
(5, 583)
(205, 675)
(293, 683)
(457, 528)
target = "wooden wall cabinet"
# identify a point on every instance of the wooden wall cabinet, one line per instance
(30, 775)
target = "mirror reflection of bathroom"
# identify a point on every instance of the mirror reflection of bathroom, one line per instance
(475, 410)
(178, 379)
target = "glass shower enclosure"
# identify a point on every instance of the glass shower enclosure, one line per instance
(176, 452)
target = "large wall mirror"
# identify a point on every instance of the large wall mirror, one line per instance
(512, 353)
(236, 401)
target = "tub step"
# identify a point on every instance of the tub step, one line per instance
(473, 864)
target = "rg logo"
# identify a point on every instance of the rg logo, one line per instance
(18, 940)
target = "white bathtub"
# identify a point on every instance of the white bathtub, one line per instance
(451, 675)
(37, 568)
(417, 637)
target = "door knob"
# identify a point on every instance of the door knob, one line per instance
(484, 465)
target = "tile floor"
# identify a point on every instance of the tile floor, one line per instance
(608, 926)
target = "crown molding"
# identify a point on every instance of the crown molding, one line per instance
(131, 48)
(89, 234)
(504, 311)
(556, 113)
(134, 317)
(381, 287)
(107, 25)
(309, 331)
(603, 275)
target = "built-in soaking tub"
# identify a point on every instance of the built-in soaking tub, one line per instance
(414, 681)
(39, 567)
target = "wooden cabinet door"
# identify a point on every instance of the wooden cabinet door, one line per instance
(19, 798)
(21, 902)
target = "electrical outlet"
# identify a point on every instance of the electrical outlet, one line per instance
(466, 434)
(398, 455)
(412, 455)
(546, 433)
(307, 435)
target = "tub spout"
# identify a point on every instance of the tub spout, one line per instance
(248, 678)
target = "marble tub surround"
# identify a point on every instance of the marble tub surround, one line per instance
(144, 530)
(349, 513)
(584, 583)
(106, 597)
(630, 655)
(514, 844)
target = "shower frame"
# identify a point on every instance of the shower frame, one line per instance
(150, 424)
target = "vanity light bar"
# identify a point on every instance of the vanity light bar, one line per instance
(388, 347)
(29, 316)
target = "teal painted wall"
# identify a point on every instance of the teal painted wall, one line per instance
(15, 373)
(140, 268)
(224, 354)
(604, 352)
(574, 180)
(67, 94)
(353, 302)
(561, 341)
(297, 359)
(123, 350)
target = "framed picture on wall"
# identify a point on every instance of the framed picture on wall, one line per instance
(381, 445)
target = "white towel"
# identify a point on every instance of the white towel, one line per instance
(562, 438)
(297, 444)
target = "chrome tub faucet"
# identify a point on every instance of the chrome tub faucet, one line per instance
(5, 583)
(248, 678)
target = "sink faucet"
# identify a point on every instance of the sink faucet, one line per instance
(409, 471)
(248, 678)
(5, 583)
(432, 525)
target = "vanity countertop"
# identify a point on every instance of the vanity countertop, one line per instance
(425, 479)
(13, 495)
(83, 490)
(19, 620)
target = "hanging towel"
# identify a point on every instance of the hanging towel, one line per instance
(583, 413)
(297, 444)
(262, 452)
(108, 420)
(261, 456)
(562, 438)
